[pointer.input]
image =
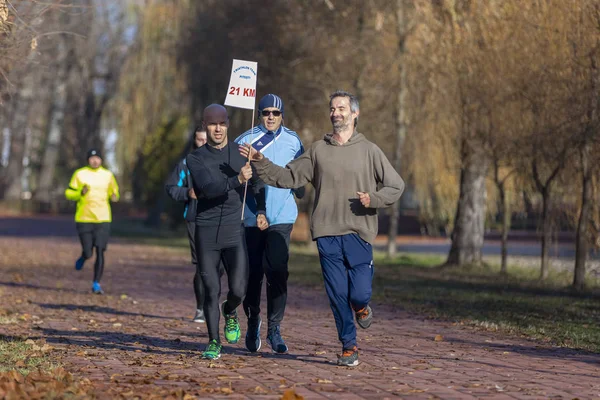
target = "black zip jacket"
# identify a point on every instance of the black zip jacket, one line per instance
(215, 181)
(177, 187)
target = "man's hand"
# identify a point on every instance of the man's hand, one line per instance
(364, 198)
(192, 194)
(85, 189)
(250, 152)
(245, 173)
(113, 198)
(261, 222)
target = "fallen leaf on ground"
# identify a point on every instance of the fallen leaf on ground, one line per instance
(25, 317)
(46, 347)
(291, 394)
(226, 377)
(260, 390)
(438, 338)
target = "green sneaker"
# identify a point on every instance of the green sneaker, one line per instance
(232, 329)
(212, 351)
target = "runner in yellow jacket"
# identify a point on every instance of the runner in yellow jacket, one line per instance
(92, 187)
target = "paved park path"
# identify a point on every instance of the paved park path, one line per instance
(138, 339)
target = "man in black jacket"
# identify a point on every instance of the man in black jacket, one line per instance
(179, 187)
(219, 174)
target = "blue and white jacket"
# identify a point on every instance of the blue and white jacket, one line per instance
(280, 147)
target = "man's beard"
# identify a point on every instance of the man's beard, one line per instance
(339, 125)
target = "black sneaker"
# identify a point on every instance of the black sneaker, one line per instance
(364, 317)
(253, 341)
(199, 317)
(276, 341)
(349, 357)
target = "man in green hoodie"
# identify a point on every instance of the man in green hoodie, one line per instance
(345, 169)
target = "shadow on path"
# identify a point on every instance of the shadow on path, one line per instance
(557, 354)
(130, 342)
(39, 287)
(98, 309)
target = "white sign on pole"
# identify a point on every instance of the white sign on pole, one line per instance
(241, 92)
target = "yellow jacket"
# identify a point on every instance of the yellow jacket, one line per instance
(93, 207)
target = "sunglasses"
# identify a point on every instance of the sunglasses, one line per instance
(266, 113)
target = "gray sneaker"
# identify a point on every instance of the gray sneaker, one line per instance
(349, 358)
(364, 317)
(276, 341)
(199, 317)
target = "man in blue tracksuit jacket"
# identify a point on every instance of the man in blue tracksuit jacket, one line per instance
(179, 187)
(268, 250)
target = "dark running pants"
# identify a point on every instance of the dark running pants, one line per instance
(198, 286)
(198, 289)
(268, 255)
(347, 265)
(215, 245)
(94, 235)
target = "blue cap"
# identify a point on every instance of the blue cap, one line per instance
(271, 100)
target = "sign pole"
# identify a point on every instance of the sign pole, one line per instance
(246, 185)
(241, 93)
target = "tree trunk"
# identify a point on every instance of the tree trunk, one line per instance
(505, 211)
(584, 217)
(18, 137)
(546, 232)
(56, 127)
(581, 250)
(469, 224)
(400, 123)
(153, 219)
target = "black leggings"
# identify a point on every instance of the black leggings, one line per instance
(198, 290)
(98, 265)
(198, 286)
(213, 245)
(94, 236)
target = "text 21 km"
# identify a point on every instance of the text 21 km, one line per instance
(245, 92)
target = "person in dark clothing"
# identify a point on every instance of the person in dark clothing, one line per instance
(218, 174)
(179, 188)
